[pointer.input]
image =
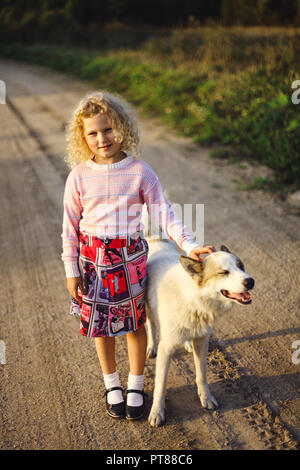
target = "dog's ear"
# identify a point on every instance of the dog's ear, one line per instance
(193, 268)
(224, 248)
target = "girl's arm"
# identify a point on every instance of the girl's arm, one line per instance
(71, 218)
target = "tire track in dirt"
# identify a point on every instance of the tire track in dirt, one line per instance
(241, 395)
(26, 245)
(242, 389)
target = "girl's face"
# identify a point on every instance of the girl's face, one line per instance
(99, 136)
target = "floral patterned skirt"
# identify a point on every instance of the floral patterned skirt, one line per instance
(114, 276)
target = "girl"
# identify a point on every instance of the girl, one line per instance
(104, 251)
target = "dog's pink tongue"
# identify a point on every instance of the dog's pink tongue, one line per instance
(242, 296)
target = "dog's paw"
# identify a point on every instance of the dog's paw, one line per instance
(156, 417)
(208, 401)
(188, 346)
(151, 351)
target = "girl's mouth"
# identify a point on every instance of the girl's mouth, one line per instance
(105, 147)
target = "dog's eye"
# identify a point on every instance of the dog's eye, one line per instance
(241, 266)
(224, 272)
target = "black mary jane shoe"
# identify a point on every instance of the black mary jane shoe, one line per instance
(135, 412)
(118, 410)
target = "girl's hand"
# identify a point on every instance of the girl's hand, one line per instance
(74, 284)
(199, 250)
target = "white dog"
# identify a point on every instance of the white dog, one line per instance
(184, 298)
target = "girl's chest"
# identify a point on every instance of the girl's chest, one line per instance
(108, 189)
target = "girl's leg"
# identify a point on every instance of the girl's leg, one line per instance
(105, 347)
(137, 345)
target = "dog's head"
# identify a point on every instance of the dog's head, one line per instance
(224, 273)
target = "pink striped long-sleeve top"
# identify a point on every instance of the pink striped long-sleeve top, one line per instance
(107, 200)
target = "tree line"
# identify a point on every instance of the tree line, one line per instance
(43, 14)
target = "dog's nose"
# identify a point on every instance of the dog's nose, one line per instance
(249, 283)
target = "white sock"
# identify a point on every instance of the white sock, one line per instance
(135, 382)
(112, 380)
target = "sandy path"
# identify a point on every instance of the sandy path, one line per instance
(51, 383)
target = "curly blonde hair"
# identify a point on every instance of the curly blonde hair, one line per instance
(121, 116)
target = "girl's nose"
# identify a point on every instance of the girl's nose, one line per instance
(102, 139)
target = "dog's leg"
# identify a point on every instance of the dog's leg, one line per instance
(200, 349)
(151, 338)
(157, 413)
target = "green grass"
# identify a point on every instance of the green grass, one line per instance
(236, 99)
(263, 184)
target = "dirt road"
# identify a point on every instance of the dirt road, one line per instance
(51, 384)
